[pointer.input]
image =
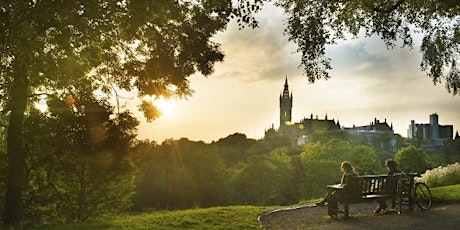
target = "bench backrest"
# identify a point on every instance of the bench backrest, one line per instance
(361, 186)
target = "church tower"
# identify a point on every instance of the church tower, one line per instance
(285, 106)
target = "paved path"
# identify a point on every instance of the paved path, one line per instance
(440, 217)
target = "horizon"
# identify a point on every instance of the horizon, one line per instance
(368, 81)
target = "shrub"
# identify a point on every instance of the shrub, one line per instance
(412, 159)
(442, 176)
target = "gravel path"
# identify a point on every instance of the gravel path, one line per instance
(440, 217)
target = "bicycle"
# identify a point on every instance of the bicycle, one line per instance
(412, 192)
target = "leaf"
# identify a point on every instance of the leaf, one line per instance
(151, 112)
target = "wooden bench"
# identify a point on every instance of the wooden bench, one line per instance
(360, 189)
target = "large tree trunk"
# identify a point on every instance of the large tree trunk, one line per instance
(16, 152)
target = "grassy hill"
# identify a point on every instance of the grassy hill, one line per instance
(230, 217)
(446, 193)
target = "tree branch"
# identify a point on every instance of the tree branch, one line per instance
(38, 94)
(389, 9)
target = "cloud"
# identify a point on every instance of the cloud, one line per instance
(261, 54)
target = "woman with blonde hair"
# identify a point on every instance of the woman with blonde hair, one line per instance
(333, 196)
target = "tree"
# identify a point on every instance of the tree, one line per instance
(321, 162)
(78, 161)
(418, 140)
(263, 180)
(234, 148)
(365, 160)
(313, 24)
(412, 159)
(181, 174)
(150, 47)
(452, 151)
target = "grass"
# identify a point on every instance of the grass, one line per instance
(230, 217)
(225, 218)
(446, 194)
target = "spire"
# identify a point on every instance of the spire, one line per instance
(285, 105)
(286, 86)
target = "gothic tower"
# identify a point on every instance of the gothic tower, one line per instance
(285, 106)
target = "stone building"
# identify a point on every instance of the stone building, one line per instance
(298, 131)
(432, 135)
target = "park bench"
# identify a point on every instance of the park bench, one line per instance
(360, 189)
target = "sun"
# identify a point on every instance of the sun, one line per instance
(166, 107)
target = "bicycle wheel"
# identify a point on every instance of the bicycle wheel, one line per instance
(422, 196)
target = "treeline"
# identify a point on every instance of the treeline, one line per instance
(238, 170)
(84, 161)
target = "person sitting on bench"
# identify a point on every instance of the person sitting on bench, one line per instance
(392, 170)
(334, 196)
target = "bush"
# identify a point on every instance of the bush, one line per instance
(442, 176)
(412, 159)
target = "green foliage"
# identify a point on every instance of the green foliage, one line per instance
(270, 143)
(321, 163)
(325, 136)
(314, 24)
(412, 159)
(150, 111)
(452, 151)
(184, 174)
(365, 160)
(234, 148)
(418, 139)
(262, 180)
(180, 174)
(78, 163)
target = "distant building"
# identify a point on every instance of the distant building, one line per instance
(311, 124)
(300, 130)
(285, 106)
(377, 133)
(375, 129)
(433, 134)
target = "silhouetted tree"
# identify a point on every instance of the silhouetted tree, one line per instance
(150, 47)
(78, 162)
(234, 148)
(452, 151)
(313, 24)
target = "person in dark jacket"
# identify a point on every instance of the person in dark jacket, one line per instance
(392, 167)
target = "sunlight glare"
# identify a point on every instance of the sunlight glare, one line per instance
(166, 107)
(41, 106)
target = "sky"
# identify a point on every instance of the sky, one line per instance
(368, 81)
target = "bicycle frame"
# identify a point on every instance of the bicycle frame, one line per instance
(407, 194)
